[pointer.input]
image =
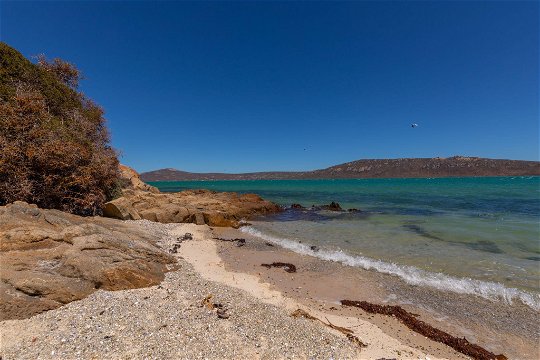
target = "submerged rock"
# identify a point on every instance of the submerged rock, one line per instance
(333, 206)
(50, 258)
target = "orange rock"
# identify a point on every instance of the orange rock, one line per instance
(50, 258)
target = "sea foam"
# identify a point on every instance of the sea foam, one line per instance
(489, 290)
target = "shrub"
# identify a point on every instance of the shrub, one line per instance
(54, 146)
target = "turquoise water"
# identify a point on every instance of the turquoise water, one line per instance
(471, 235)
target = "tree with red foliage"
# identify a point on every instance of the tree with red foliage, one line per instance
(54, 144)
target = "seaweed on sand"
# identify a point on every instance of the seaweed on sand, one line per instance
(462, 345)
(239, 242)
(290, 268)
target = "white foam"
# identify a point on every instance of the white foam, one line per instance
(414, 276)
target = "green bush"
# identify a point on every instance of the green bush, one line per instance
(54, 145)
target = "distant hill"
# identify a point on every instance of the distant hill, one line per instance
(374, 168)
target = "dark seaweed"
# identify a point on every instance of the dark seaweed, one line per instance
(290, 268)
(462, 345)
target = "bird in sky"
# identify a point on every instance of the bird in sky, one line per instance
(414, 125)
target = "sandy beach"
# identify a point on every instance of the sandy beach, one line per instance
(501, 328)
(247, 312)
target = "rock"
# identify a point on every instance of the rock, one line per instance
(196, 206)
(182, 215)
(297, 206)
(50, 258)
(314, 248)
(352, 210)
(222, 314)
(333, 206)
(133, 181)
(215, 218)
(199, 219)
(150, 214)
(120, 209)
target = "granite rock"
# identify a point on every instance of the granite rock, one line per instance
(50, 258)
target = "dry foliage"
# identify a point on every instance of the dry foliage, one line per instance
(54, 144)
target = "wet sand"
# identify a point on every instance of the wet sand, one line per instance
(385, 339)
(513, 330)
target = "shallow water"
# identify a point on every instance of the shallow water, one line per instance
(471, 235)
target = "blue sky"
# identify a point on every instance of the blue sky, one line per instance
(254, 86)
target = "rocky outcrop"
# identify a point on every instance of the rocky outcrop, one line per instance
(49, 258)
(333, 206)
(191, 206)
(133, 181)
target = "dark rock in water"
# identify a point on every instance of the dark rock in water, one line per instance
(333, 206)
(533, 258)
(482, 245)
(485, 246)
(297, 206)
(420, 231)
(353, 210)
(269, 244)
(314, 248)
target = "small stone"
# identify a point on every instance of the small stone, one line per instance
(222, 314)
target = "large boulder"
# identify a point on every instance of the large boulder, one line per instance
(49, 258)
(120, 209)
(132, 180)
(194, 206)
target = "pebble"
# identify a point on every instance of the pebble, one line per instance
(166, 322)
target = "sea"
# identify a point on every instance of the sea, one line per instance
(470, 235)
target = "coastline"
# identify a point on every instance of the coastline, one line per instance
(209, 259)
(168, 320)
(501, 328)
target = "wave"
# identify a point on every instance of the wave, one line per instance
(489, 290)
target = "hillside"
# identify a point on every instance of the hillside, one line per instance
(374, 168)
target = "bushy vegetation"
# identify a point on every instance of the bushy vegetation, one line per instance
(54, 145)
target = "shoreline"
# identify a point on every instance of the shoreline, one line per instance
(169, 320)
(500, 328)
(206, 258)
